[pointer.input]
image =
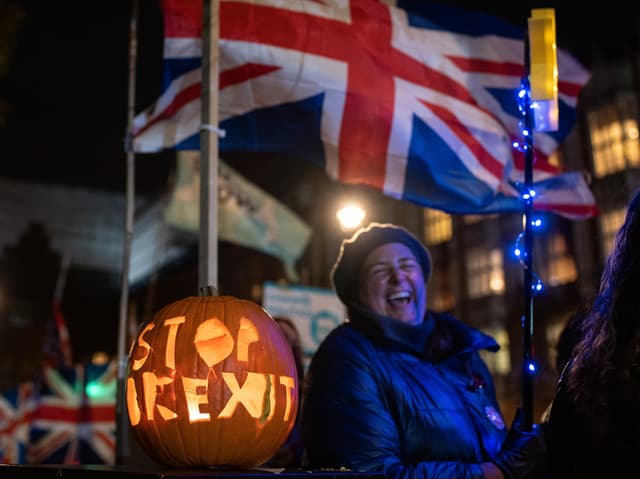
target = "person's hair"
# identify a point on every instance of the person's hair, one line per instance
(604, 373)
(568, 338)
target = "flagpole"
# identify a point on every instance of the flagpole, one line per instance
(527, 323)
(540, 85)
(208, 252)
(63, 332)
(122, 437)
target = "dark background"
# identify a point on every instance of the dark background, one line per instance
(65, 93)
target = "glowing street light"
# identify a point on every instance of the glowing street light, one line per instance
(350, 216)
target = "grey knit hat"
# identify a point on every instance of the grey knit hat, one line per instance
(354, 250)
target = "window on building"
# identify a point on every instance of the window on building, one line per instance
(555, 159)
(437, 226)
(610, 223)
(552, 334)
(562, 266)
(473, 219)
(499, 362)
(614, 136)
(485, 273)
(440, 295)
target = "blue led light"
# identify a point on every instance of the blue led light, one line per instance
(537, 286)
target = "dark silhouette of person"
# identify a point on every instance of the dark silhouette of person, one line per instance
(289, 455)
(593, 425)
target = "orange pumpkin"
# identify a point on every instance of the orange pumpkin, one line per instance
(211, 382)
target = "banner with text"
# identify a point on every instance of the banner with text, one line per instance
(315, 311)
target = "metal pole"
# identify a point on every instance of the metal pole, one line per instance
(122, 436)
(527, 325)
(208, 247)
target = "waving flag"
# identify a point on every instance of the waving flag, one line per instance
(16, 408)
(57, 343)
(415, 99)
(74, 420)
(247, 215)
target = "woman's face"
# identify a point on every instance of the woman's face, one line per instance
(391, 284)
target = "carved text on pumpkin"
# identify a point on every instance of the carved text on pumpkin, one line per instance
(213, 343)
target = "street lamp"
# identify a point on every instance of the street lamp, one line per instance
(350, 216)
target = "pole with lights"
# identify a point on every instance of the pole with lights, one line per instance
(538, 101)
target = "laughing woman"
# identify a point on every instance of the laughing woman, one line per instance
(402, 390)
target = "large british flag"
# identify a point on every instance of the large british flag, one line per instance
(74, 420)
(16, 408)
(416, 99)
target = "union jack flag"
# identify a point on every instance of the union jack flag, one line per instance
(74, 421)
(16, 407)
(415, 99)
(57, 344)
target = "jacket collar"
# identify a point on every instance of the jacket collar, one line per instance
(414, 338)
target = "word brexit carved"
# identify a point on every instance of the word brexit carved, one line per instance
(211, 382)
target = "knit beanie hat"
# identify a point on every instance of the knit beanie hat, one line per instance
(354, 250)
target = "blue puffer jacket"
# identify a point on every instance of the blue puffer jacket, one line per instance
(372, 402)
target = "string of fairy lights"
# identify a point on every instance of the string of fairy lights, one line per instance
(524, 243)
(527, 193)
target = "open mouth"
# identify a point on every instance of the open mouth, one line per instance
(400, 297)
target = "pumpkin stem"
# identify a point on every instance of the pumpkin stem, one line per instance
(208, 290)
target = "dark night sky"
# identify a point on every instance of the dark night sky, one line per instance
(67, 92)
(67, 84)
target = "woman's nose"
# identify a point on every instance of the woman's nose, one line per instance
(395, 273)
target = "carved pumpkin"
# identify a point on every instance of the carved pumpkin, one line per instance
(211, 382)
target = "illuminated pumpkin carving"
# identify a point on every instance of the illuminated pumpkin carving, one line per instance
(211, 382)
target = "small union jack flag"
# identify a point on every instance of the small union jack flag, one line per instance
(16, 408)
(74, 421)
(57, 345)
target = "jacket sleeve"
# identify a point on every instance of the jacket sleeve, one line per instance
(347, 419)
